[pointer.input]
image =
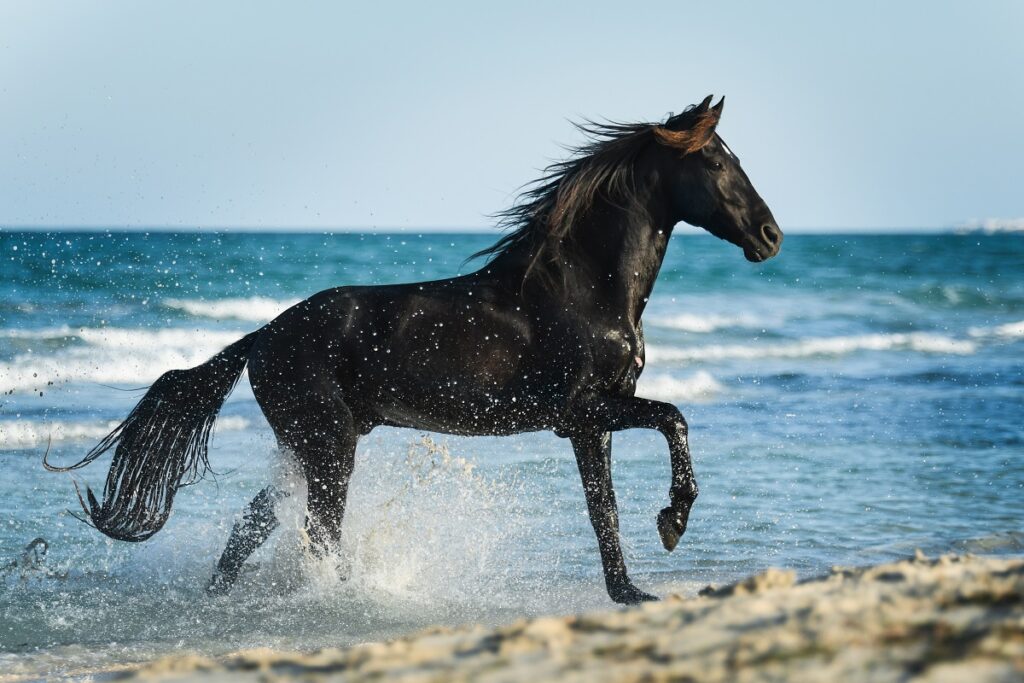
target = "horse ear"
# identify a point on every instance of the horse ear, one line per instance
(699, 133)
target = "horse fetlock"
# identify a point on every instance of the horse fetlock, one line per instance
(684, 495)
(624, 592)
(219, 585)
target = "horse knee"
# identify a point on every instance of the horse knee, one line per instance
(673, 424)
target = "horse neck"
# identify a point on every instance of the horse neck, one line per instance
(618, 257)
(610, 269)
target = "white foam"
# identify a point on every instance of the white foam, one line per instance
(17, 434)
(114, 355)
(662, 387)
(254, 308)
(1007, 331)
(921, 342)
(689, 322)
(142, 340)
(61, 332)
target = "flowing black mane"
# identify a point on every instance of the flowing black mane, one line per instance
(541, 220)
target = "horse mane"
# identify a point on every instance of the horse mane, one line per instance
(543, 218)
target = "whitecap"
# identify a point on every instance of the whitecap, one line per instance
(18, 434)
(699, 386)
(114, 355)
(61, 332)
(1006, 331)
(254, 308)
(690, 322)
(921, 342)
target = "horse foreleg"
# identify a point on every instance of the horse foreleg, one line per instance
(248, 534)
(615, 414)
(594, 457)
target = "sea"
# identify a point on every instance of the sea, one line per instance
(855, 399)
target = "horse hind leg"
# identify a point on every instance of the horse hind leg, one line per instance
(248, 534)
(327, 462)
(320, 433)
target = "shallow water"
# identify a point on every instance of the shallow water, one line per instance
(851, 400)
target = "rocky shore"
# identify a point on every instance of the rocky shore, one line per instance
(955, 618)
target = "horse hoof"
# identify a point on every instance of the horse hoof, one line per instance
(671, 526)
(219, 585)
(630, 595)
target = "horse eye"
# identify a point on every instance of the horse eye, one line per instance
(717, 165)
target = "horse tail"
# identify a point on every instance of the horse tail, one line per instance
(161, 446)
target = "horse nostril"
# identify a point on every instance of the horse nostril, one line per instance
(771, 234)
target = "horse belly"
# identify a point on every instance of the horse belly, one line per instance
(465, 384)
(467, 395)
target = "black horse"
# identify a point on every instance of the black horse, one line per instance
(546, 336)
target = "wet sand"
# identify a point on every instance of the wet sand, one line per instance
(955, 618)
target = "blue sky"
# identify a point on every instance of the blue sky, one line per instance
(267, 115)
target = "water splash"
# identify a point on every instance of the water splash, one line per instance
(427, 530)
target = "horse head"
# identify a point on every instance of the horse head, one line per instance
(708, 188)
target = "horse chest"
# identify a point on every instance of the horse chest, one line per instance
(618, 356)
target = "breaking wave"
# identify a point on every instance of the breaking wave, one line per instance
(140, 355)
(1007, 331)
(111, 355)
(62, 332)
(921, 342)
(688, 322)
(700, 385)
(254, 308)
(18, 434)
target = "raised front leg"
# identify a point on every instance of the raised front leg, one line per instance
(594, 457)
(616, 414)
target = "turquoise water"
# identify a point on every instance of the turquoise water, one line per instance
(851, 400)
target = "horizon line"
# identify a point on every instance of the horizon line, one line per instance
(437, 230)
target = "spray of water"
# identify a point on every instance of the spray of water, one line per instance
(426, 531)
(428, 539)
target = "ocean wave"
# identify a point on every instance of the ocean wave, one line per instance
(690, 322)
(113, 355)
(139, 355)
(254, 308)
(921, 342)
(1007, 331)
(19, 434)
(61, 332)
(662, 387)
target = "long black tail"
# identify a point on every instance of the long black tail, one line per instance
(161, 445)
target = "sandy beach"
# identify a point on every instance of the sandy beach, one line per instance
(955, 618)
